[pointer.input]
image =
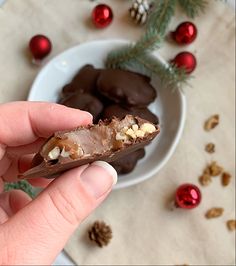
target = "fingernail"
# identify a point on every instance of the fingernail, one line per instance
(99, 178)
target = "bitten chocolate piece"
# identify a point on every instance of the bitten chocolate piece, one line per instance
(85, 102)
(126, 87)
(127, 163)
(121, 111)
(108, 140)
(84, 81)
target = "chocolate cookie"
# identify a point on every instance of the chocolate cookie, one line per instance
(127, 163)
(84, 81)
(121, 111)
(108, 140)
(126, 87)
(85, 102)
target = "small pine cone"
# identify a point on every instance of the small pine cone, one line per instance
(139, 11)
(100, 233)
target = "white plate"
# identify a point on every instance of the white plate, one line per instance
(169, 106)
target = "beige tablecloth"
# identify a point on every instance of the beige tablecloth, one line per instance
(145, 230)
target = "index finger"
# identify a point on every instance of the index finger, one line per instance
(22, 123)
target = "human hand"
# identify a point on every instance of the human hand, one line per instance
(34, 231)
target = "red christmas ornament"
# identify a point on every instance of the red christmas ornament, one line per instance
(40, 46)
(187, 196)
(185, 60)
(185, 33)
(102, 16)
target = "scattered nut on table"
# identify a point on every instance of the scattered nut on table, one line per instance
(231, 224)
(213, 169)
(211, 122)
(210, 147)
(225, 178)
(205, 180)
(214, 212)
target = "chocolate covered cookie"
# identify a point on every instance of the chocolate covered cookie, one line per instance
(84, 81)
(85, 102)
(121, 111)
(125, 87)
(127, 163)
(108, 140)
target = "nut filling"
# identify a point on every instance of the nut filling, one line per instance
(135, 131)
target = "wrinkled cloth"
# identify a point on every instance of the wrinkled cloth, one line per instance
(145, 230)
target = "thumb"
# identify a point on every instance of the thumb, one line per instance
(43, 227)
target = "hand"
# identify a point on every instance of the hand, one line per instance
(35, 231)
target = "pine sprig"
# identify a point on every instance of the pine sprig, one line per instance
(137, 56)
(170, 75)
(152, 39)
(193, 8)
(22, 185)
(159, 19)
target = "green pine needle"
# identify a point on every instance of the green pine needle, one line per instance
(170, 75)
(22, 185)
(157, 24)
(193, 8)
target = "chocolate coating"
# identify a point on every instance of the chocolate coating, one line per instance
(86, 144)
(126, 87)
(127, 163)
(84, 81)
(85, 102)
(121, 111)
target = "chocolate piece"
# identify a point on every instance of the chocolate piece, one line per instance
(127, 163)
(84, 81)
(85, 102)
(109, 140)
(126, 87)
(121, 111)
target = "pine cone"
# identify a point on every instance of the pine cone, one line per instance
(139, 11)
(100, 233)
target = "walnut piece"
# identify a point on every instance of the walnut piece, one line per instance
(214, 212)
(100, 233)
(225, 179)
(211, 122)
(205, 180)
(231, 224)
(210, 148)
(213, 169)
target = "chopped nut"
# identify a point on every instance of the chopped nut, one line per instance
(135, 127)
(148, 128)
(65, 154)
(54, 153)
(121, 136)
(213, 169)
(231, 224)
(131, 133)
(211, 122)
(75, 154)
(210, 147)
(225, 179)
(205, 180)
(214, 212)
(139, 133)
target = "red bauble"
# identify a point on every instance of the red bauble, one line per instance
(102, 16)
(40, 46)
(187, 196)
(185, 33)
(185, 60)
